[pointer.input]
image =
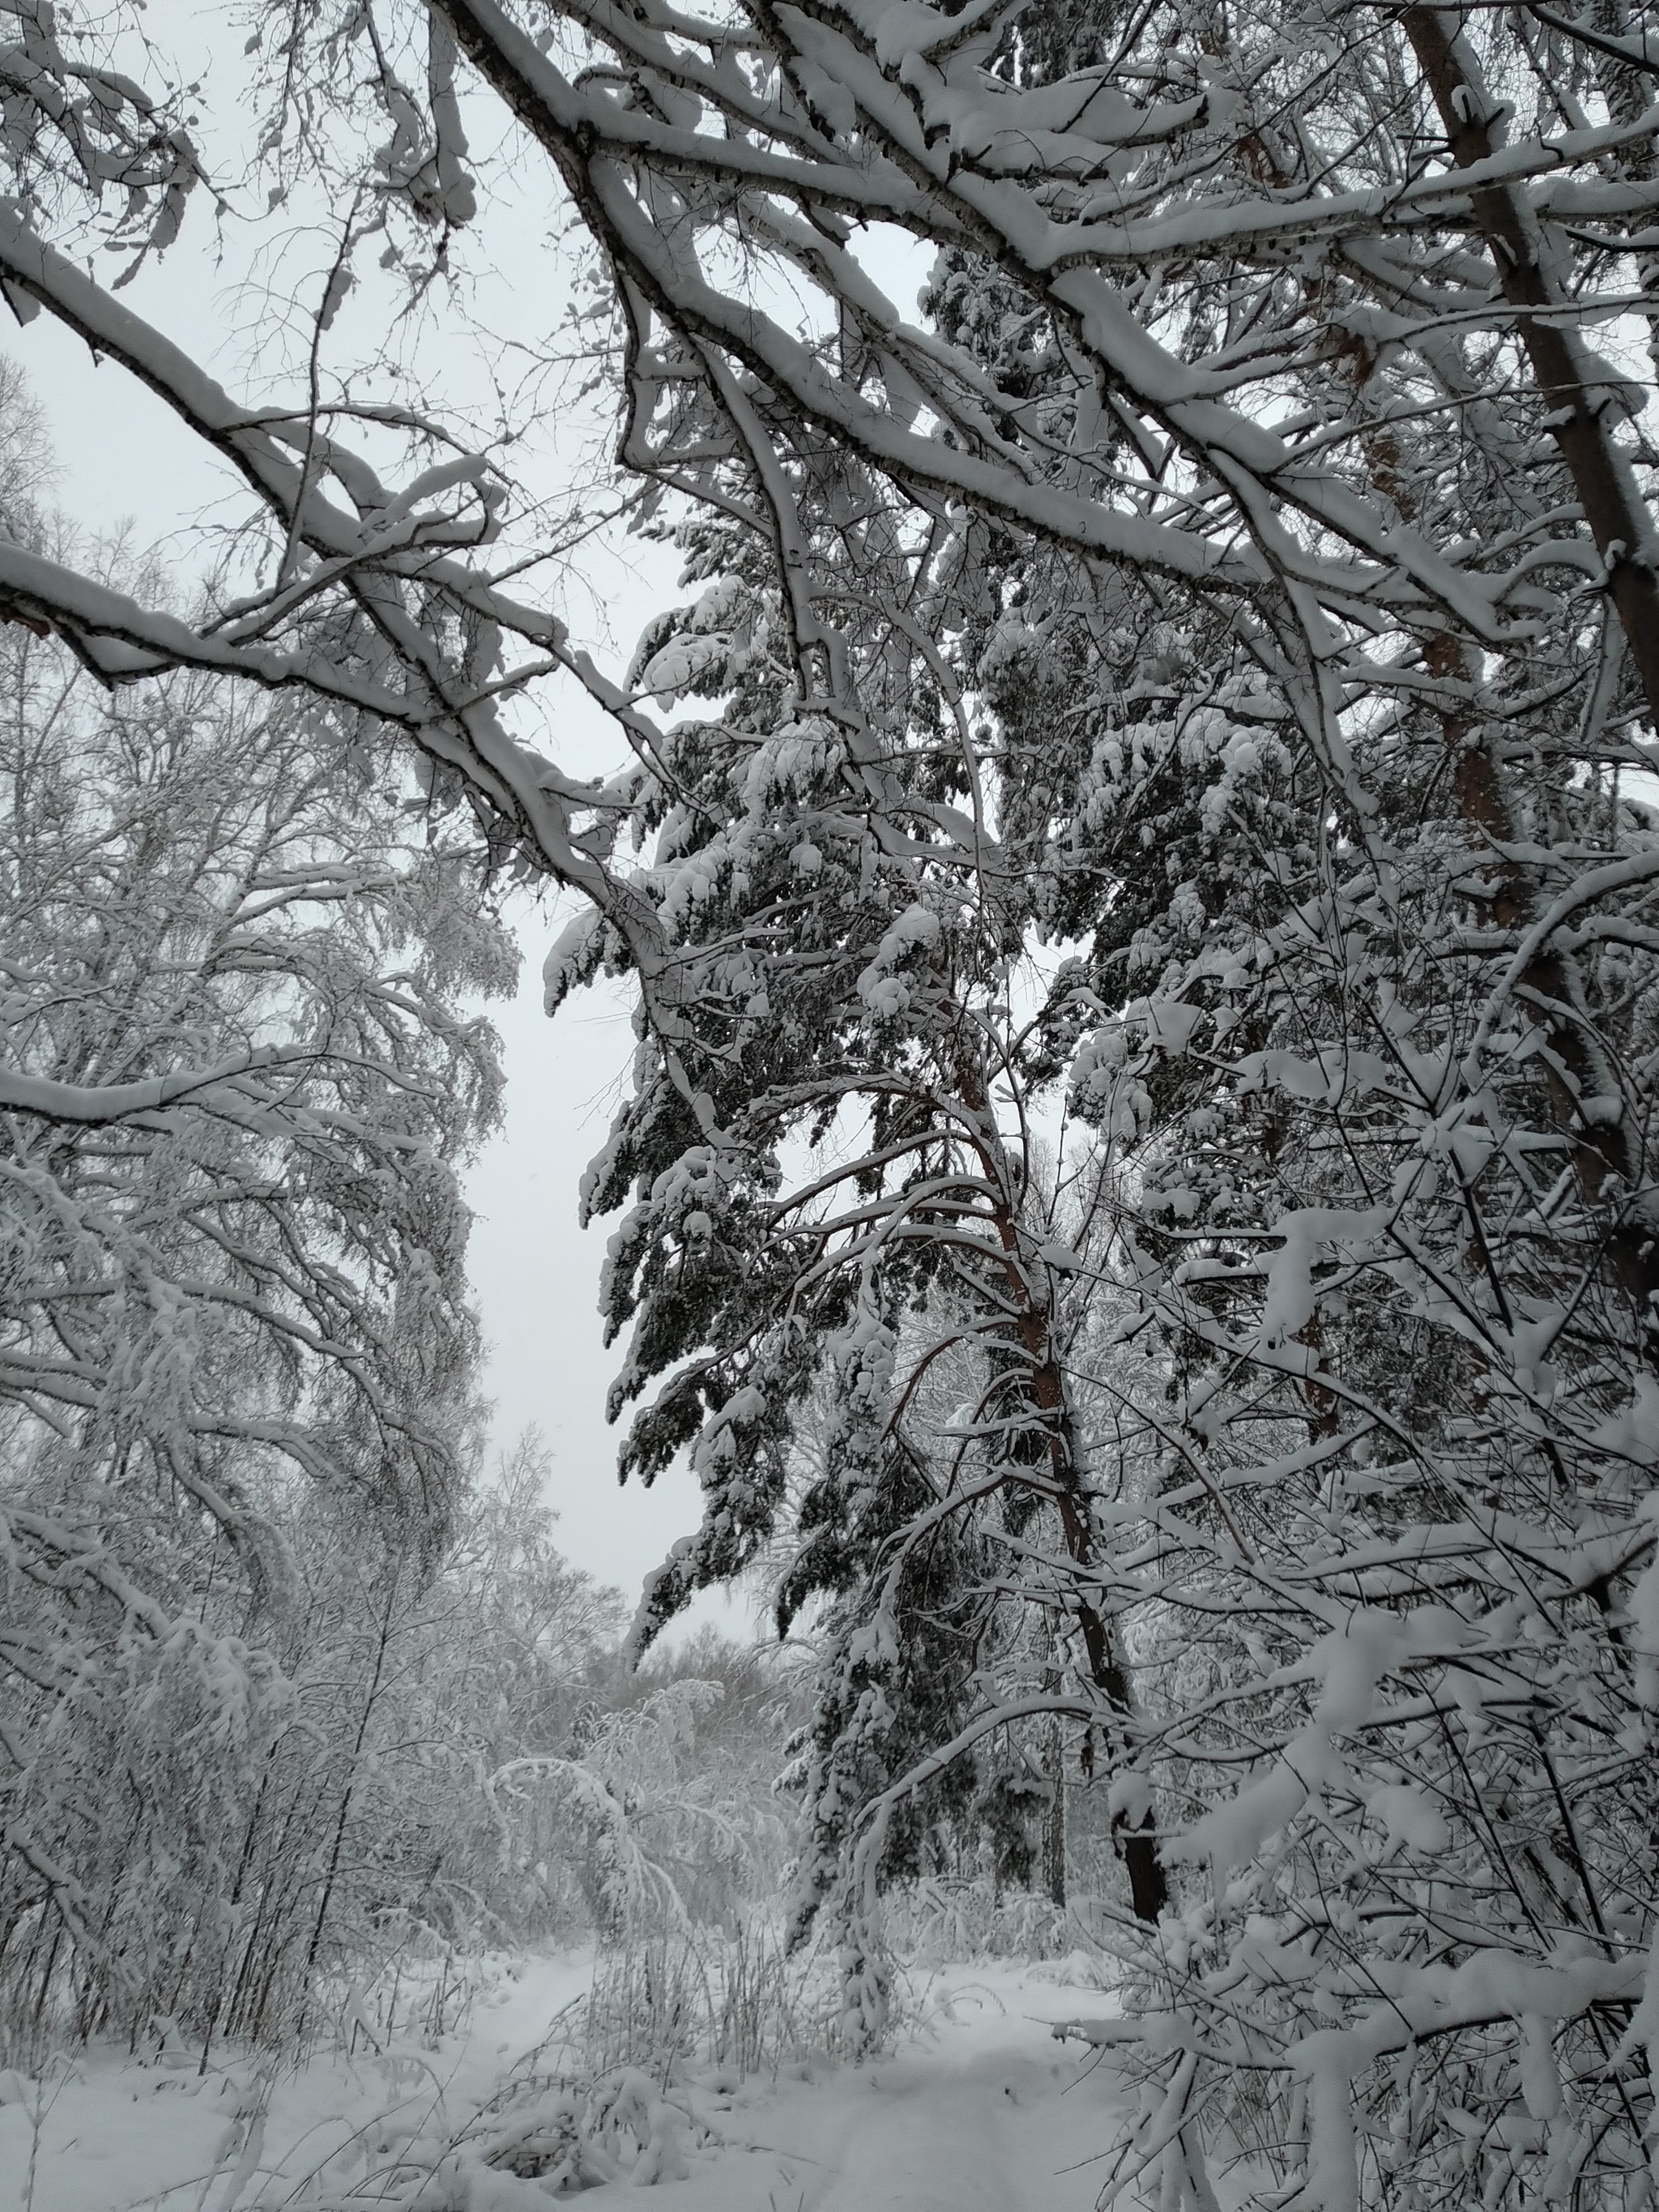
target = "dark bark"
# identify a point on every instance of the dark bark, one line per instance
(1148, 1887)
(1577, 409)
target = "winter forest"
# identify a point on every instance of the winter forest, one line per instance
(1057, 601)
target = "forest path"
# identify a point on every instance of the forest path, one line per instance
(982, 2112)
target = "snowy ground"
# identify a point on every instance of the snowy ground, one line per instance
(983, 2112)
(979, 2110)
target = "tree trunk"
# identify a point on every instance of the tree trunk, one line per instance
(1054, 1824)
(1577, 407)
(1148, 1887)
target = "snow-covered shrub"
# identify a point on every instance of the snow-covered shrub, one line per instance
(624, 2086)
(654, 1798)
(735, 1997)
(937, 1921)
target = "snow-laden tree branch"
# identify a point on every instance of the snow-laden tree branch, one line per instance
(1198, 668)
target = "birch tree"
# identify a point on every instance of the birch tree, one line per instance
(237, 1084)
